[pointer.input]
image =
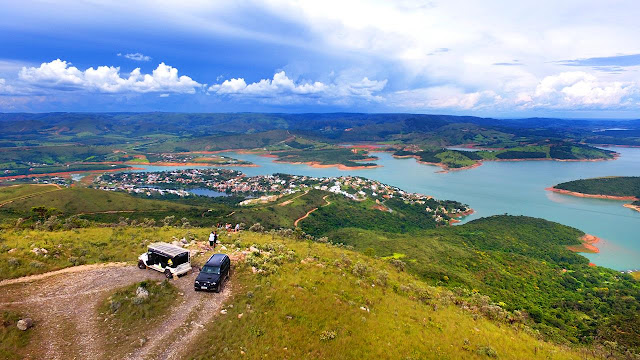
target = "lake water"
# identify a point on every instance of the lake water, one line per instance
(207, 192)
(516, 188)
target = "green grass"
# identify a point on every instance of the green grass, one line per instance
(335, 156)
(12, 340)
(524, 263)
(80, 246)
(275, 215)
(124, 317)
(9, 193)
(84, 200)
(310, 306)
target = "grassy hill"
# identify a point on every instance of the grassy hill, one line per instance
(326, 302)
(298, 299)
(523, 263)
(92, 204)
(612, 186)
(16, 192)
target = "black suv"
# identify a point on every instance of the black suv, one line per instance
(214, 273)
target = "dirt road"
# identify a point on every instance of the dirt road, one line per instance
(63, 305)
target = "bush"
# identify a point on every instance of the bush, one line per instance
(487, 351)
(328, 335)
(257, 227)
(361, 270)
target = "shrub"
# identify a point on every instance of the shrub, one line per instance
(257, 227)
(328, 335)
(487, 351)
(382, 278)
(398, 264)
(361, 270)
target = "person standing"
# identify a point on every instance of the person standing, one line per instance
(215, 239)
(212, 239)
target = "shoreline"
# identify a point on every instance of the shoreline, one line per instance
(192, 164)
(316, 164)
(632, 207)
(587, 245)
(446, 169)
(454, 218)
(593, 196)
(65, 173)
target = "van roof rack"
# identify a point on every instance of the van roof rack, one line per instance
(167, 249)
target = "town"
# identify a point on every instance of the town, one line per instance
(266, 188)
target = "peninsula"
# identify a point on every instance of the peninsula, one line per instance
(624, 188)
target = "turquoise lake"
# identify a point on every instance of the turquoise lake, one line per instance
(516, 188)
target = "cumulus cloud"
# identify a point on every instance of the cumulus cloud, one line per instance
(59, 74)
(136, 56)
(578, 89)
(281, 85)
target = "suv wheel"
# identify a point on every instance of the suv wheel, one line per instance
(168, 274)
(141, 265)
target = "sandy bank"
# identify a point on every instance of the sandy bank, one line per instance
(587, 245)
(196, 164)
(632, 207)
(315, 164)
(595, 196)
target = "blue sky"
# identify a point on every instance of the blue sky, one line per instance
(487, 58)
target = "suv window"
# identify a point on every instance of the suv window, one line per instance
(210, 269)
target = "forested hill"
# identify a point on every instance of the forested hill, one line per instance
(610, 186)
(21, 129)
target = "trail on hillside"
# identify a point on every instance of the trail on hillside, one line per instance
(287, 202)
(58, 187)
(295, 223)
(63, 305)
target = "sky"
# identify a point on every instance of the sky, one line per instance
(567, 58)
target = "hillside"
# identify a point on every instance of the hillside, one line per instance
(303, 300)
(523, 263)
(74, 201)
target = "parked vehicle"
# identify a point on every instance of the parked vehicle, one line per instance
(214, 274)
(169, 259)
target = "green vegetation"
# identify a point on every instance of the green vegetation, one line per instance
(70, 201)
(12, 340)
(523, 263)
(64, 248)
(125, 313)
(311, 300)
(611, 186)
(12, 193)
(336, 156)
(457, 159)
(344, 213)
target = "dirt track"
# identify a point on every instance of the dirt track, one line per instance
(63, 305)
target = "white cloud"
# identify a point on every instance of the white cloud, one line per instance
(6, 89)
(578, 89)
(59, 74)
(444, 97)
(282, 87)
(136, 57)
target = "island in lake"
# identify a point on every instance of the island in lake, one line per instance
(625, 188)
